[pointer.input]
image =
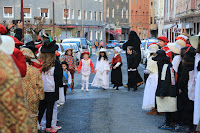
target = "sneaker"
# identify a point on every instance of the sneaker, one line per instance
(165, 127)
(87, 90)
(82, 88)
(61, 104)
(57, 127)
(51, 130)
(125, 86)
(177, 128)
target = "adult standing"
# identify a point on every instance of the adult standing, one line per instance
(96, 44)
(135, 42)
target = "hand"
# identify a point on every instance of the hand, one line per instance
(180, 91)
(131, 69)
(75, 69)
(107, 71)
(20, 25)
(93, 72)
(114, 67)
(10, 25)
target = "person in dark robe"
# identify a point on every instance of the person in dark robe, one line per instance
(135, 42)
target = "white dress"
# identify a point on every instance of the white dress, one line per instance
(151, 85)
(101, 78)
(197, 91)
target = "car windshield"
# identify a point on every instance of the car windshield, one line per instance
(152, 41)
(143, 42)
(122, 42)
(77, 43)
(75, 47)
(109, 41)
(66, 47)
(83, 41)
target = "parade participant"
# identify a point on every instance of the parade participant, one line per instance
(101, 44)
(132, 68)
(68, 57)
(33, 86)
(67, 78)
(184, 85)
(162, 42)
(166, 91)
(85, 67)
(52, 75)
(15, 116)
(135, 42)
(96, 44)
(101, 78)
(116, 73)
(152, 82)
(196, 117)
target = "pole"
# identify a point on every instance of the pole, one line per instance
(22, 19)
(66, 17)
(82, 14)
(104, 20)
(53, 22)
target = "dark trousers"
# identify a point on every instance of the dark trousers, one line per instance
(169, 118)
(65, 89)
(46, 105)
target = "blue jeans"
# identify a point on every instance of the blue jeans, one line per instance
(96, 48)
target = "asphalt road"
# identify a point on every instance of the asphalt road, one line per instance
(108, 111)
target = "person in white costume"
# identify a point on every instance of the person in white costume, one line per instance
(101, 78)
(152, 81)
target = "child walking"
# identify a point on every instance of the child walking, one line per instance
(101, 78)
(85, 67)
(132, 68)
(71, 64)
(67, 78)
(116, 73)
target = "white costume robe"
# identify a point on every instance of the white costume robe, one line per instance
(197, 91)
(101, 78)
(151, 85)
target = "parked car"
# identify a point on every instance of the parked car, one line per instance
(122, 42)
(80, 42)
(111, 43)
(144, 48)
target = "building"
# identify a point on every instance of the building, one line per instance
(159, 15)
(188, 13)
(140, 17)
(84, 17)
(117, 19)
(153, 25)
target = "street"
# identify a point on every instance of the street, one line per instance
(108, 111)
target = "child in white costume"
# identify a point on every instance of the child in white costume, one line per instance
(152, 80)
(101, 78)
(85, 67)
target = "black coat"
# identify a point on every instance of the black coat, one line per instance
(58, 76)
(132, 61)
(165, 87)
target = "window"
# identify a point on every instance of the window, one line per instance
(44, 12)
(8, 12)
(85, 15)
(151, 21)
(27, 12)
(151, 5)
(107, 12)
(96, 35)
(154, 20)
(122, 13)
(90, 15)
(66, 13)
(101, 35)
(79, 14)
(90, 35)
(127, 14)
(113, 12)
(72, 13)
(95, 13)
(100, 16)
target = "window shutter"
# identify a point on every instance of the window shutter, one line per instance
(27, 10)
(8, 10)
(43, 10)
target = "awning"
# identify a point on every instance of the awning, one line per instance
(114, 33)
(110, 32)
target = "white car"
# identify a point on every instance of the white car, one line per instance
(144, 48)
(122, 42)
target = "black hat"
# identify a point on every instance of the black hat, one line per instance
(161, 56)
(190, 54)
(45, 35)
(49, 47)
(31, 46)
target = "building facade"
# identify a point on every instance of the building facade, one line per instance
(140, 17)
(117, 19)
(153, 25)
(159, 15)
(84, 17)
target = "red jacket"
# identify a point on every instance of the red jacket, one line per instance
(20, 61)
(168, 52)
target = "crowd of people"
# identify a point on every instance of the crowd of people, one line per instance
(172, 86)
(34, 79)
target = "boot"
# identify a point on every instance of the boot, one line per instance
(117, 88)
(129, 89)
(135, 88)
(126, 86)
(152, 112)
